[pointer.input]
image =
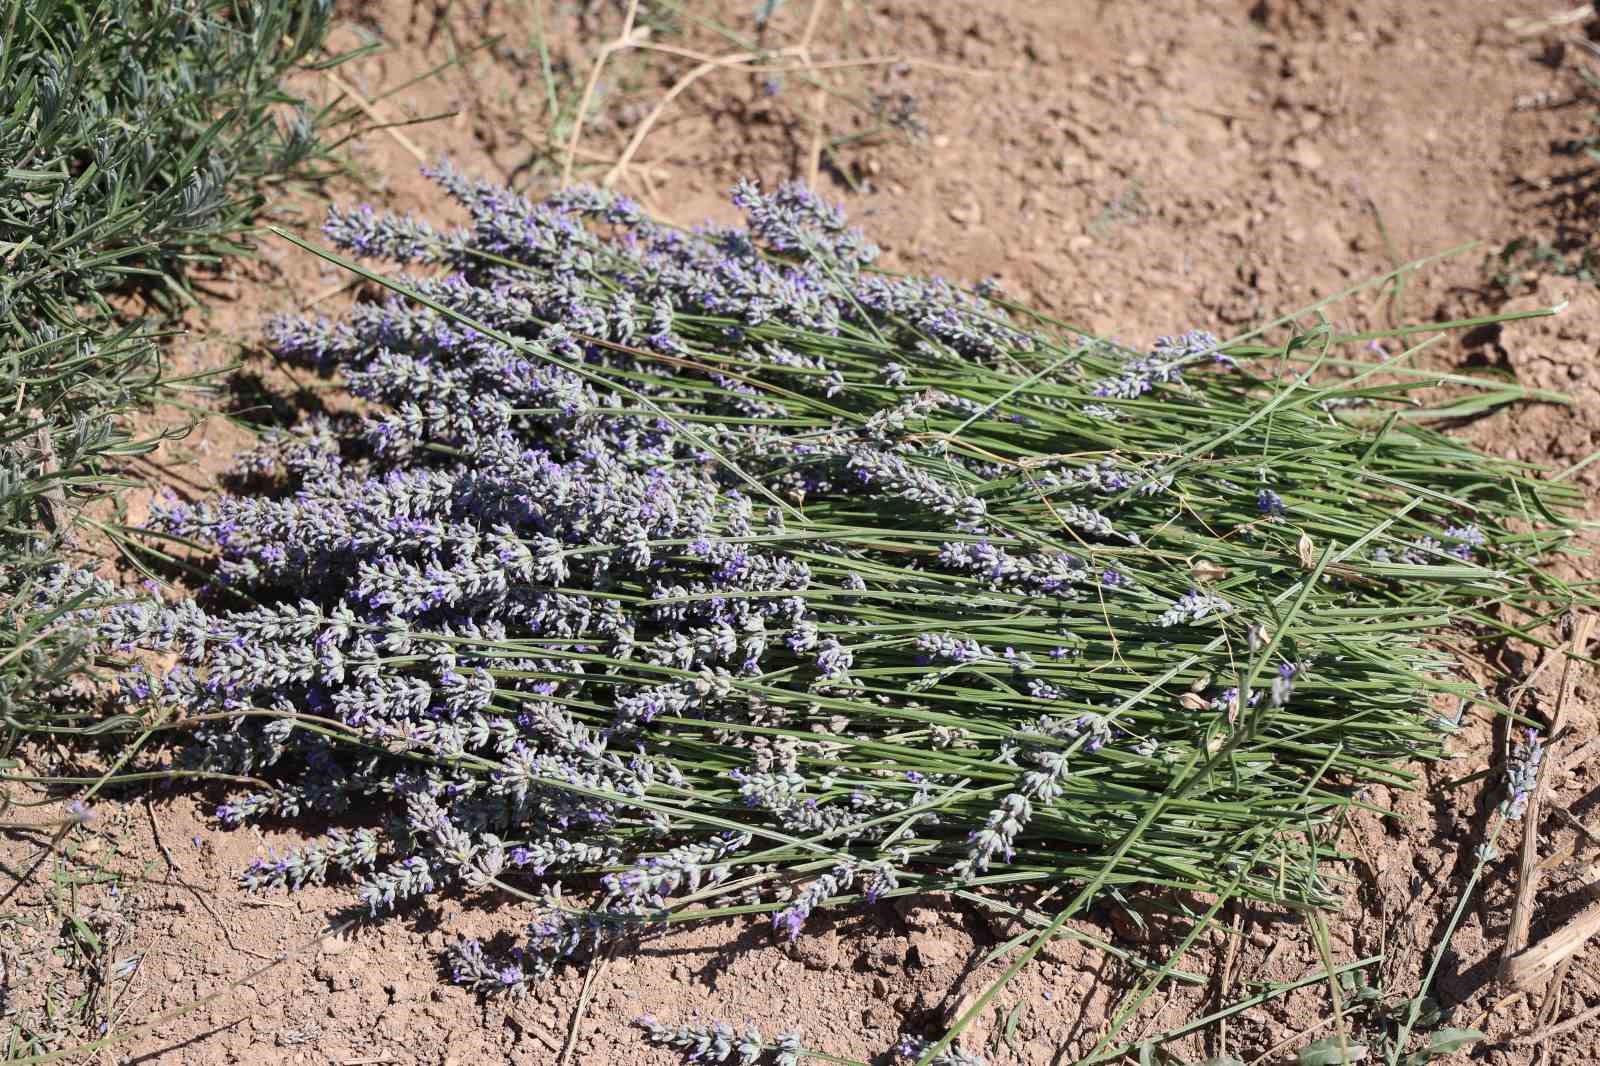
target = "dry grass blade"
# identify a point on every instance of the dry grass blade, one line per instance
(52, 501)
(1567, 816)
(751, 61)
(1526, 969)
(589, 980)
(1530, 27)
(819, 97)
(628, 37)
(371, 111)
(643, 130)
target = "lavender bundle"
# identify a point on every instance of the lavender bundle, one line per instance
(719, 572)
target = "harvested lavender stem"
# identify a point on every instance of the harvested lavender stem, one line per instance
(669, 566)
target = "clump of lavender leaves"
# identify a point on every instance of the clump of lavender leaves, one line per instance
(700, 569)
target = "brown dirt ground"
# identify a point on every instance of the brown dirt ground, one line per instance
(1136, 168)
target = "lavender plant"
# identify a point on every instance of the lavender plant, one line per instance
(723, 573)
(136, 141)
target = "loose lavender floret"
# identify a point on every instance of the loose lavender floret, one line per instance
(1283, 683)
(1467, 537)
(792, 918)
(912, 1048)
(1429, 551)
(1193, 606)
(1522, 774)
(944, 647)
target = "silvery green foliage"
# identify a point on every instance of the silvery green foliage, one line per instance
(44, 640)
(135, 139)
(561, 594)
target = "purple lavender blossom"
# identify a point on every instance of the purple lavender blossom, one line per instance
(912, 1048)
(833, 659)
(1192, 607)
(1522, 774)
(1468, 537)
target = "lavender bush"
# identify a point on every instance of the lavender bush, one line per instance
(719, 572)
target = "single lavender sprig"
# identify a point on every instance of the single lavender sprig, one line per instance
(718, 1042)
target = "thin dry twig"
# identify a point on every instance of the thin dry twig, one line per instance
(52, 500)
(330, 292)
(748, 61)
(1540, 1035)
(372, 112)
(1571, 819)
(160, 1021)
(276, 904)
(1230, 956)
(589, 980)
(117, 1010)
(732, 59)
(625, 39)
(1527, 968)
(819, 96)
(1529, 27)
(1528, 880)
(1551, 1006)
(813, 20)
(1580, 756)
(1300, 1036)
(827, 64)
(819, 106)
(44, 853)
